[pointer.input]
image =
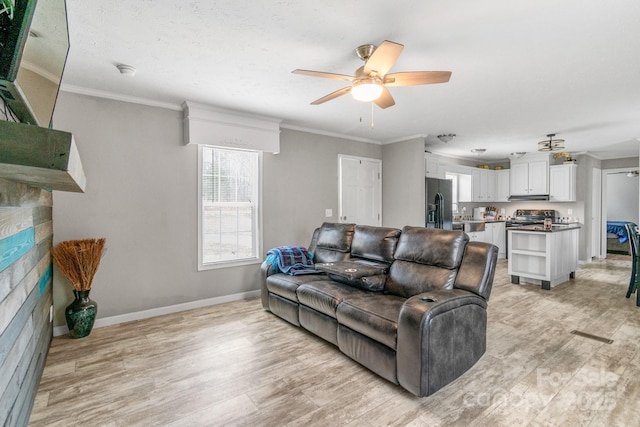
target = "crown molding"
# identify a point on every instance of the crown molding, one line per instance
(406, 138)
(326, 133)
(118, 97)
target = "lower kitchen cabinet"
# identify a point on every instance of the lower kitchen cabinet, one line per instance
(544, 258)
(476, 236)
(495, 234)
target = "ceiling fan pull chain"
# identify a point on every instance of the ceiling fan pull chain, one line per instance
(372, 125)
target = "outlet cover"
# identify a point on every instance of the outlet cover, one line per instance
(569, 211)
(328, 213)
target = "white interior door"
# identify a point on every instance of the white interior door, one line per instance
(360, 192)
(596, 215)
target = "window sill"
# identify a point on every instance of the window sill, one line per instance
(228, 264)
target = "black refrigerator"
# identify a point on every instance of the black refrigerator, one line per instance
(438, 199)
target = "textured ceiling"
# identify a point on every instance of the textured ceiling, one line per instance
(521, 69)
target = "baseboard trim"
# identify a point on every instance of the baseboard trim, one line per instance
(145, 314)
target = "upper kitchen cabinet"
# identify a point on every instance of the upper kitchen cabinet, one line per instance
(432, 167)
(502, 185)
(530, 176)
(562, 183)
(484, 185)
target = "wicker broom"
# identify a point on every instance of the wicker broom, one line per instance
(79, 260)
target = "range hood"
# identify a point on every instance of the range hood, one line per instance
(527, 197)
(40, 157)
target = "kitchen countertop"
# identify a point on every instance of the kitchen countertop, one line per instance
(540, 228)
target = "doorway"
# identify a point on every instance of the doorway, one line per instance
(360, 190)
(620, 202)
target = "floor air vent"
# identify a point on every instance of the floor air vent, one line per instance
(593, 337)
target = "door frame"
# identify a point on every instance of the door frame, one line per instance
(603, 205)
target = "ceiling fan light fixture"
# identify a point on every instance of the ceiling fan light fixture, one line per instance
(367, 89)
(551, 144)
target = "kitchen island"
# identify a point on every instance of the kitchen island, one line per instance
(543, 257)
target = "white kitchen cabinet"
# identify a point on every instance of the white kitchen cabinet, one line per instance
(484, 185)
(495, 233)
(477, 236)
(432, 167)
(544, 258)
(539, 177)
(491, 186)
(529, 177)
(562, 183)
(477, 194)
(502, 185)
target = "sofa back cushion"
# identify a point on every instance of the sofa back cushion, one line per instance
(375, 243)
(425, 259)
(332, 242)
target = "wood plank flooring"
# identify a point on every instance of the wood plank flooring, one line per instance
(235, 364)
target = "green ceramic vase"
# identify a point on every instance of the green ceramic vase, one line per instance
(81, 314)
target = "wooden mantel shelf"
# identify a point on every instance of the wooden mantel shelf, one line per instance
(40, 157)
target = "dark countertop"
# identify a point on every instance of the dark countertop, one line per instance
(540, 228)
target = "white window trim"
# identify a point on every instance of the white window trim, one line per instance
(232, 263)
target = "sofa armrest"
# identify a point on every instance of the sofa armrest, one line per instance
(441, 334)
(265, 271)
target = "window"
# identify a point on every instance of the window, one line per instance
(228, 207)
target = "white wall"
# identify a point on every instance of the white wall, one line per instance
(142, 196)
(622, 198)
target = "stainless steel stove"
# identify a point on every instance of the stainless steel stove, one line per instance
(530, 217)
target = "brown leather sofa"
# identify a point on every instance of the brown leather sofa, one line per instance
(408, 304)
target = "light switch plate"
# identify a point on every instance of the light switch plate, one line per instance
(328, 213)
(569, 211)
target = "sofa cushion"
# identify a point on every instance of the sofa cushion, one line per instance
(286, 286)
(332, 242)
(324, 296)
(431, 246)
(375, 243)
(373, 315)
(426, 259)
(336, 237)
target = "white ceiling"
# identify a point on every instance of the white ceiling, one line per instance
(521, 69)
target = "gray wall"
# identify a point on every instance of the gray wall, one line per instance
(403, 182)
(25, 296)
(142, 196)
(302, 181)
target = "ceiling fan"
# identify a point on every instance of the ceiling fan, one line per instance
(370, 81)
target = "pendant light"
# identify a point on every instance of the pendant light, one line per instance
(551, 144)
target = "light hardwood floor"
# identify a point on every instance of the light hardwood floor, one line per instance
(235, 364)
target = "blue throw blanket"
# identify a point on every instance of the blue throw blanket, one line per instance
(292, 260)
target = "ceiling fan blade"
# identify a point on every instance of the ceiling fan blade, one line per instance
(385, 100)
(383, 58)
(323, 75)
(332, 95)
(415, 78)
